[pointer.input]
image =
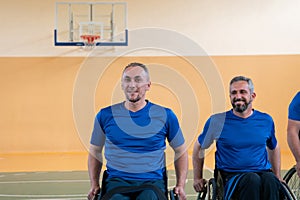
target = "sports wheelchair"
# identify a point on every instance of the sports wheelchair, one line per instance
(214, 189)
(293, 181)
(104, 195)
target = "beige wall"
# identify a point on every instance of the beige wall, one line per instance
(221, 28)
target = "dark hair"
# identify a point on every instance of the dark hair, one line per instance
(243, 78)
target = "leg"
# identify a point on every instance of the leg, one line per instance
(119, 196)
(116, 182)
(147, 194)
(248, 187)
(150, 194)
(270, 186)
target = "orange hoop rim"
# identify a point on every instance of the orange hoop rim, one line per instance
(90, 38)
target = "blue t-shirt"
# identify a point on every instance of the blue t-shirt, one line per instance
(294, 108)
(241, 142)
(135, 141)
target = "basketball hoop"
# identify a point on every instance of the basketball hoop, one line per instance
(89, 40)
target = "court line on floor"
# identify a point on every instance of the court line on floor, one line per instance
(46, 181)
(42, 195)
(46, 197)
(58, 196)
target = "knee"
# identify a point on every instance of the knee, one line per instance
(249, 186)
(252, 178)
(270, 179)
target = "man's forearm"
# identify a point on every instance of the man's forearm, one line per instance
(94, 167)
(198, 167)
(198, 161)
(181, 167)
(293, 138)
(275, 160)
(294, 145)
(95, 164)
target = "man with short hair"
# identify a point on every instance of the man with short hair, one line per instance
(134, 133)
(247, 153)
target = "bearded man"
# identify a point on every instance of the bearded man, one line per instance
(247, 155)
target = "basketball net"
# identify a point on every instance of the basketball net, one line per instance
(89, 41)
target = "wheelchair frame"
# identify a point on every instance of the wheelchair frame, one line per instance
(293, 181)
(215, 189)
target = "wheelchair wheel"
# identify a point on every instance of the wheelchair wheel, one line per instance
(202, 195)
(293, 181)
(173, 196)
(287, 192)
(211, 191)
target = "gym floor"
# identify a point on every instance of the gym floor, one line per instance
(63, 185)
(64, 176)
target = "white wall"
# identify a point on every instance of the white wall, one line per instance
(221, 27)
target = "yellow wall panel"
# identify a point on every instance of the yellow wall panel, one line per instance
(37, 113)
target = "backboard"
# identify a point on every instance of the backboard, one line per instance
(106, 22)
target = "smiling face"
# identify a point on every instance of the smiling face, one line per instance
(241, 97)
(135, 84)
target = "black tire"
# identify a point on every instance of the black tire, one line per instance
(288, 194)
(293, 181)
(289, 174)
(173, 196)
(202, 195)
(212, 189)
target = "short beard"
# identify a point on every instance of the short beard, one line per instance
(241, 108)
(134, 100)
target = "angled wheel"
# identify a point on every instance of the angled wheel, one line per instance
(293, 181)
(210, 192)
(202, 195)
(288, 194)
(173, 196)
